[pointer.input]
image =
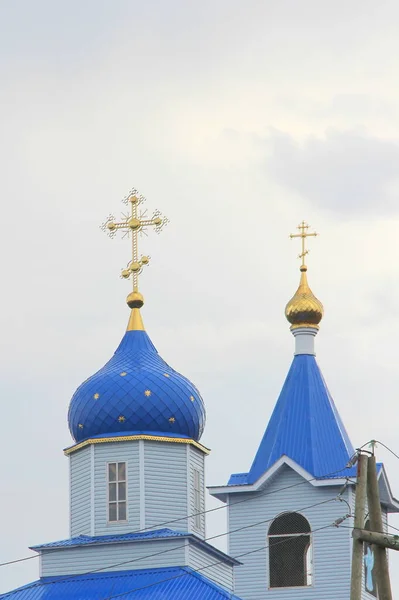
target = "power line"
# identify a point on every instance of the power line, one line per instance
(212, 564)
(216, 563)
(210, 510)
(373, 443)
(115, 565)
(385, 446)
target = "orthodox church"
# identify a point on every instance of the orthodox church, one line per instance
(137, 480)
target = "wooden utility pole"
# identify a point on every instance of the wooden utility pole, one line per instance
(360, 514)
(379, 539)
(367, 484)
(376, 525)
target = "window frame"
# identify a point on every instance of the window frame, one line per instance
(197, 495)
(117, 501)
(308, 557)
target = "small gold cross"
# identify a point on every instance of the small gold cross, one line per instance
(303, 234)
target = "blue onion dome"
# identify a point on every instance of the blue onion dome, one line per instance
(136, 392)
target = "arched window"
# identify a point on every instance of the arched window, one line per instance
(290, 552)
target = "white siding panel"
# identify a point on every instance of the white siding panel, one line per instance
(204, 563)
(165, 474)
(159, 486)
(331, 567)
(196, 462)
(114, 557)
(80, 467)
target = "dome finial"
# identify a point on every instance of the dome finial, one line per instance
(304, 310)
(132, 224)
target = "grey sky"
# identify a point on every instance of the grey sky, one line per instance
(237, 120)
(346, 172)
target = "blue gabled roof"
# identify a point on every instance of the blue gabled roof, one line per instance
(88, 540)
(180, 583)
(305, 426)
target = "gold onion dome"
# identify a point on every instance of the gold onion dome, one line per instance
(304, 309)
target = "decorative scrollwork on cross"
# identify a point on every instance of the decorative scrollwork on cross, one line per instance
(132, 224)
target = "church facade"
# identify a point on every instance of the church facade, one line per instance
(138, 490)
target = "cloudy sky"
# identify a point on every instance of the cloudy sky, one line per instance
(237, 120)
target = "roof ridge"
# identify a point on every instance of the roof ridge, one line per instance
(128, 536)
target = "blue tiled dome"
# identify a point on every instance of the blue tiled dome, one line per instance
(136, 391)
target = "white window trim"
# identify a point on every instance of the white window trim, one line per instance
(112, 462)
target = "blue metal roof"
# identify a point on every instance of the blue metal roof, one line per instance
(180, 583)
(305, 426)
(88, 540)
(136, 391)
(143, 536)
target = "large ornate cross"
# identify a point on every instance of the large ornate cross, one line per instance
(303, 234)
(133, 224)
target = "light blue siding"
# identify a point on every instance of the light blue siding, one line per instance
(137, 555)
(116, 452)
(331, 547)
(160, 487)
(80, 492)
(165, 487)
(196, 462)
(210, 566)
(113, 557)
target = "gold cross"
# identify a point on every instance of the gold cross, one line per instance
(303, 234)
(132, 225)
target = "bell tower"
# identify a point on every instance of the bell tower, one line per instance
(285, 512)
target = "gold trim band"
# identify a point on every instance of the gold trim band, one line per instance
(128, 438)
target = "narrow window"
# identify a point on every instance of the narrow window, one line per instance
(197, 499)
(116, 492)
(369, 571)
(290, 553)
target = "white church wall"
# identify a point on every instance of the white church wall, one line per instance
(331, 547)
(210, 566)
(113, 557)
(137, 555)
(80, 492)
(160, 487)
(196, 460)
(165, 485)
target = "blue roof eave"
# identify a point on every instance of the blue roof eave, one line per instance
(221, 492)
(127, 538)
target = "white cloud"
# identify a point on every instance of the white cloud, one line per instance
(180, 101)
(349, 173)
